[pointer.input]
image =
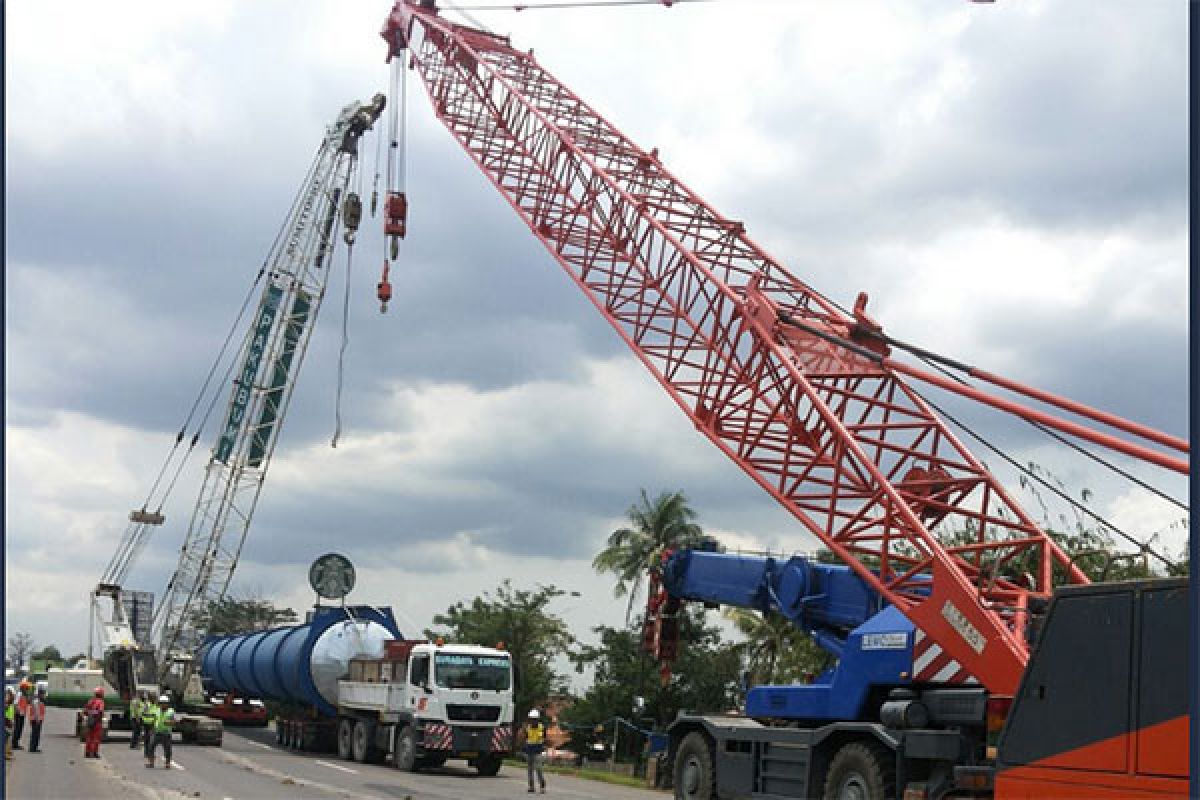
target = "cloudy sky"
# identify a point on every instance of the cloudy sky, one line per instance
(1007, 180)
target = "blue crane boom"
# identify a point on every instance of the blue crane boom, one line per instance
(874, 644)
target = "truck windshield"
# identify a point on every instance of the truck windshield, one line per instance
(463, 671)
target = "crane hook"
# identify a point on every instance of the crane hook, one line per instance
(384, 289)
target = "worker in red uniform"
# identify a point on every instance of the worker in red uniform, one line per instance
(22, 708)
(93, 722)
(36, 715)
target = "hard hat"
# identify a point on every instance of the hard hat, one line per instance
(99, 691)
(533, 714)
(164, 699)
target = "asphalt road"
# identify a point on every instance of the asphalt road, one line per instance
(249, 765)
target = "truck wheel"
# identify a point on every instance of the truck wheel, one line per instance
(489, 764)
(405, 749)
(860, 771)
(361, 744)
(694, 769)
(345, 739)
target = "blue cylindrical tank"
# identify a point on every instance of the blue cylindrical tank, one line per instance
(299, 663)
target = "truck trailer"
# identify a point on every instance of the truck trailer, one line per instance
(347, 681)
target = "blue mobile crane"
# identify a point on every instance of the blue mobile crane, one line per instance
(880, 724)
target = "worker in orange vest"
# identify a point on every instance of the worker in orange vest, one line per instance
(37, 715)
(22, 709)
(93, 723)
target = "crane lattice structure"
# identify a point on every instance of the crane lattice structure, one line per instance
(801, 394)
(297, 271)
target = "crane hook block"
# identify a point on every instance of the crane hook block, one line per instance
(384, 290)
(395, 211)
(351, 216)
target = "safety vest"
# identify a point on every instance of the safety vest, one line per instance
(149, 714)
(9, 712)
(536, 733)
(135, 707)
(164, 718)
(37, 711)
(22, 704)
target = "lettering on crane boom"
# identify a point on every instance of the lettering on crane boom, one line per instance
(965, 629)
(245, 379)
(885, 641)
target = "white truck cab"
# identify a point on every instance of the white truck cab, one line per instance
(427, 702)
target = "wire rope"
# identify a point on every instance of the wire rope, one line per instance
(1142, 547)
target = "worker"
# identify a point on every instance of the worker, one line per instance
(22, 708)
(164, 721)
(37, 716)
(136, 705)
(535, 749)
(149, 717)
(93, 723)
(10, 713)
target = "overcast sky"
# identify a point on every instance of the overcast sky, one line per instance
(1007, 180)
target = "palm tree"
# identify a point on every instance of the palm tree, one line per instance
(767, 639)
(665, 523)
(777, 652)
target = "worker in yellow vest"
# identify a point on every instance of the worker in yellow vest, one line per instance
(149, 718)
(535, 749)
(136, 706)
(10, 713)
(164, 723)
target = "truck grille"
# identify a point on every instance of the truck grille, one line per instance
(472, 713)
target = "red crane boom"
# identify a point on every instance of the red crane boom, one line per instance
(801, 395)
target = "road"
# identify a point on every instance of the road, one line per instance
(250, 765)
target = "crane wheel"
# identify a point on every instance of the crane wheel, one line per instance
(694, 776)
(861, 771)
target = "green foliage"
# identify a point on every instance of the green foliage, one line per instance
(233, 615)
(666, 522)
(776, 652)
(520, 619)
(705, 677)
(49, 653)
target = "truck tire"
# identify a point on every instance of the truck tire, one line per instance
(362, 744)
(860, 771)
(489, 764)
(694, 778)
(405, 748)
(345, 739)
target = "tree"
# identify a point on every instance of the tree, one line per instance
(705, 676)
(776, 652)
(234, 615)
(521, 620)
(47, 653)
(665, 523)
(20, 646)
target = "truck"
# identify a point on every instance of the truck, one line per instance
(347, 681)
